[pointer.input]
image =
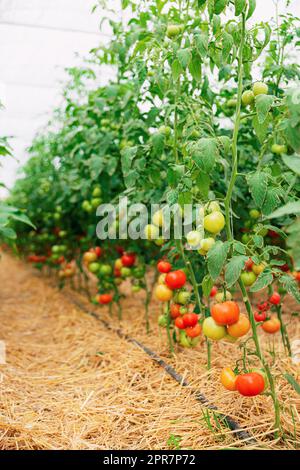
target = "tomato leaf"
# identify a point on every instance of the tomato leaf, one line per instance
(204, 153)
(251, 8)
(207, 284)
(263, 104)
(201, 41)
(227, 42)
(292, 381)
(291, 285)
(195, 68)
(220, 5)
(258, 185)
(239, 6)
(293, 162)
(263, 280)
(176, 70)
(184, 56)
(261, 129)
(216, 258)
(234, 268)
(289, 208)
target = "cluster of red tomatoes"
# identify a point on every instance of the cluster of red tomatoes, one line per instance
(171, 287)
(270, 323)
(67, 271)
(249, 385)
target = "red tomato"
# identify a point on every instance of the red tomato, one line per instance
(105, 299)
(175, 279)
(179, 323)
(273, 234)
(120, 250)
(263, 306)
(164, 267)
(275, 298)
(250, 384)
(296, 275)
(240, 328)
(175, 310)
(193, 331)
(128, 259)
(248, 264)
(213, 291)
(117, 272)
(225, 313)
(260, 316)
(284, 268)
(190, 319)
(98, 251)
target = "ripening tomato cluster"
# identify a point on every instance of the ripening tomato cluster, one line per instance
(269, 323)
(249, 384)
(251, 272)
(226, 322)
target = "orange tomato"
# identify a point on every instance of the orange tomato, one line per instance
(163, 293)
(225, 313)
(240, 328)
(193, 331)
(228, 379)
(272, 325)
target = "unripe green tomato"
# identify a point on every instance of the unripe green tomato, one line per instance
(247, 97)
(229, 339)
(56, 249)
(62, 233)
(231, 103)
(245, 238)
(212, 206)
(86, 206)
(214, 222)
(182, 297)
(184, 340)
(207, 243)
(138, 273)
(248, 223)
(212, 330)
(279, 149)
(165, 130)
(135, 288)
(95, 202)
(173, 30)
(94, 267)
(97, 191)
(151, 232)
(220, 297)
(260, 88)
(248, 278)
(125, 272)
(195, 134)
(193, 238)
(162, 321)
(57, 216)
(254, 214)
(118, 281)
(105, 270)
(160, 241)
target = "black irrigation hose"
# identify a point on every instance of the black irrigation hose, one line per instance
(238, 431)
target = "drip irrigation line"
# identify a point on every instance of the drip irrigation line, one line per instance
(238, 431)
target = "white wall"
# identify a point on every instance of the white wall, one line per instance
(38, 39)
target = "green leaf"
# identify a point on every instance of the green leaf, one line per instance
(263, 280)
(203, 183)
(184, 56)
(216, 258)
(293, 162)
(292, 381)
(7, 232)
(239, 248)
(195, 68)
(204, 153)
(289, 208)
(263, 104)
(176, 70)
(291, 285)
(271, 201)
(207, 284)
(158, 142)
(234, 269)
(240, 6)
(258, 185)
(251, 8)
(201, 41)
(261, 129)
(227, 42)
(220, 6)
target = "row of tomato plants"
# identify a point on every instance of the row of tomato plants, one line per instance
(184, 122)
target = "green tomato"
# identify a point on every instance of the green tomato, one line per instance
(56, 249)
(151, 232)
(231, 103)
(279, 149)
(165, 130)
(247, 97)
(184, 340)
(97, 191)
(182, 297)
(95, 202)
(125, 272)
(248, 278)
(260, 88)
(62, 234)
(245, 238)
(254, 214)
(86, 206)
(105, 270)
(162, 321)
(159, 241)
(212, 330)
(206, 244)
(173, 30)
(138, 273)
(193, 238)
(214, 222)
(135, 288)
(57, 216)
(94, 267)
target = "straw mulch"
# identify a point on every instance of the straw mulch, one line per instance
(69, 383)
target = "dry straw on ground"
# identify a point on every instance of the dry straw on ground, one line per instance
(69, 383)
